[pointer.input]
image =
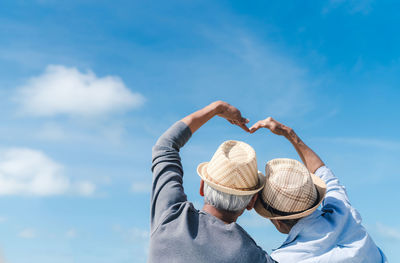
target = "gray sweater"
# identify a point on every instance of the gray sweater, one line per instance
(181, 233)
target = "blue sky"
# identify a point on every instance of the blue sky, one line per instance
(86, 87)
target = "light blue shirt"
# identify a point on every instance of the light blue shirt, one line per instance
(332, 234)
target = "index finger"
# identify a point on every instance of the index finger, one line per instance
(244, 127)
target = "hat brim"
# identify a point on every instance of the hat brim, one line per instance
(202, 172)
(319, 185)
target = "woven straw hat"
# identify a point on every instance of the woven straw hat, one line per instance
(290, 191)
(233, 169)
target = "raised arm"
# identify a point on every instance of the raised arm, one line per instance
(167, 169)
(336, 194)
(308, 156)
(220, 108)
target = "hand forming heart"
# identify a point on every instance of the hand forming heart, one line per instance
(271, 124)
(234, 116)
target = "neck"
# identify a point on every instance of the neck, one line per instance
(226, 216)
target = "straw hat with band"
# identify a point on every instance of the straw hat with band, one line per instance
(233, 169)
(290, 191)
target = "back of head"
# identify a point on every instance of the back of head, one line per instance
(224, 201)
(231, 174)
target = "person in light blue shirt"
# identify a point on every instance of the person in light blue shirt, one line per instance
(332, 234)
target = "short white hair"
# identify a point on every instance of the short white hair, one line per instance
(224, 201)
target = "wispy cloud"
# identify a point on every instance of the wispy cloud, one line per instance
(112, 132)
(27, 233)
(262, 68)
(351, 6)
(26, 171)
(67, 91)
(388, 231)
(85, 188)
(2, 219)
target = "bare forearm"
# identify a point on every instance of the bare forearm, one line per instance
(197, 119)
(310, 159)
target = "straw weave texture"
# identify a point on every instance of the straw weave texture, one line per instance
(234, 165)
(288, 187)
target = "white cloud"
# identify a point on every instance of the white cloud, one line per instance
(27, 233)
(26, 171)
(30, 172)
(2, 219)
(387, 231)
(141, 187)
(63, 90)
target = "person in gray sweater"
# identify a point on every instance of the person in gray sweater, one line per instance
(229, 183)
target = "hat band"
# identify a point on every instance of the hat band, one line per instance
(237, 188)
(282, 213)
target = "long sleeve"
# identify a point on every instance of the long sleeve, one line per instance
(335, 193)
(334, 234)
(167, 171)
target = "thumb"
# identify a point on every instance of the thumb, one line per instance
(255, 127)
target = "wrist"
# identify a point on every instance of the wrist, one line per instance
(217, 107)
(286, 130)
(292, 136)
(289, 133)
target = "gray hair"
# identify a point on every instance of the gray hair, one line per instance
(224, 201)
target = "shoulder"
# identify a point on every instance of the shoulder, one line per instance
(324, 173)
(177, 212)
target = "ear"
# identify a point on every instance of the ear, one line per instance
(281, 227)
(201, 187)
(252, 202)
(276, 223)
